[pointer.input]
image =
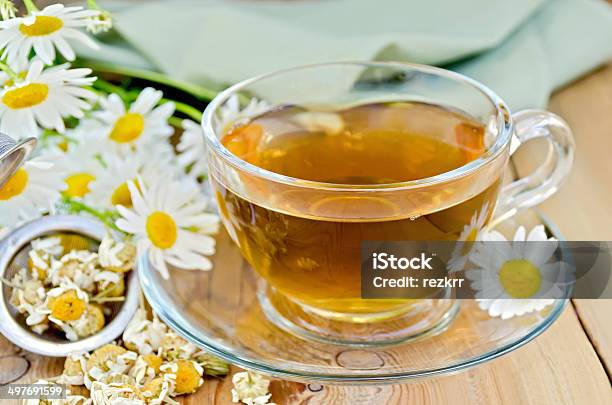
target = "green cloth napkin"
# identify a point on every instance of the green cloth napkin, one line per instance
(522, 49)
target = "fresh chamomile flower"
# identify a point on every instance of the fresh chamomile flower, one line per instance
(143, 123)
(192, 150)
(30, 192)
(251, 388)
(102, 22)
(7, 9)
(43, 98)
(170, 223)
(80, 166)
(470, 234)
(519, 276)
(231, 114)
(44, 31)
(110, 188)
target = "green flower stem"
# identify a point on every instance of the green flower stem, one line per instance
(77, 207)
(186, 109)
(10, 72)
(200, 92)
(30, 6)
(107, 87)
(176, 122)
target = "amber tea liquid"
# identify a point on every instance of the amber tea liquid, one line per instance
(316, 261)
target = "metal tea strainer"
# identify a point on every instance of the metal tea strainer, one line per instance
(13, 154)
(84, 233)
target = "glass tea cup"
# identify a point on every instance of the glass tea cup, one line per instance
(303, 235)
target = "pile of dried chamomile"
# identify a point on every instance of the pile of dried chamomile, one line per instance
(150, 365)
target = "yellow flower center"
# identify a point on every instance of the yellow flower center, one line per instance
(27, 96)
(520, 278)
(43, 25)
(122, 196)
(127, 128)
(78, 184)
(67, 307)
(15, 185)
(187, 377)
(161, 229)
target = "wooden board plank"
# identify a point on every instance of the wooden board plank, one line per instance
(582, 207)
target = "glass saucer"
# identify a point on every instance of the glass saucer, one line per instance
(220, 312)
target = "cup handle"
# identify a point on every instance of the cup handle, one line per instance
(543, 182)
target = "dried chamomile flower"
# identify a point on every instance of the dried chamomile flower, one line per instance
(174, 347)
(328, 122)
(158, 391)
(66, 303)
(107, 362)
(153, 361)
(251, 389)
(142, 372)
(213, 365)
(116, 256)
(71, 312)
(115, 394)
(40, 256)
(100, 357)
(91, 322)
(110, 285)
(77, 267)
(74, 370)
(143, 335)
(187, 375)
(69, 400)
(28, 297)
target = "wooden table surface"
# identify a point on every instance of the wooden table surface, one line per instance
(568, 364)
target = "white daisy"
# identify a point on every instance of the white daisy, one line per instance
(192, 150)
(43, 31)
(110, 189)
(44, 98)
(140, 125)
(470, 234)
(102, 22)
(80, 166)
(170, 223)
(517, 277)
(231, 114)
(30, 192)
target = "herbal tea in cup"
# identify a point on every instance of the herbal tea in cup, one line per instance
(338, 154)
